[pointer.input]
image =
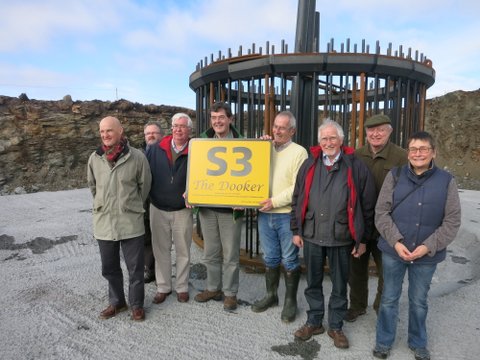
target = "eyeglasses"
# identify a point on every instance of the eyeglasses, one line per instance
(421, 149)
(179, 126)
(152, 133)
(327, 139)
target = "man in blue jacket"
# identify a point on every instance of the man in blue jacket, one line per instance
(153, 133)
(171, 218)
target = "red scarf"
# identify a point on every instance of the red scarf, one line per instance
(113, 152)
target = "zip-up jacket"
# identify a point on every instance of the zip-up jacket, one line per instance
(360, 198)
(118, 194)
(168, 178)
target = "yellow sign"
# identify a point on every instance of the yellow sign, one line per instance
(230, 173)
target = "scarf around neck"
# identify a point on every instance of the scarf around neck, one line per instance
(112, 153)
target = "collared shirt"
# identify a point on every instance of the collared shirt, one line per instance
(328, 162)
(178, 150)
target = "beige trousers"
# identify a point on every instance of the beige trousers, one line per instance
(171, 227)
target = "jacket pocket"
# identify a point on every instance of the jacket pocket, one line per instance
(133, 207)
(309, 225)
(341, 231)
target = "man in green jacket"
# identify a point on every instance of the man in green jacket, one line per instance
(221, 227)
(119, 178)
(380, 155)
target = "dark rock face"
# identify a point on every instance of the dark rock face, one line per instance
(44, 145)
(454, 121)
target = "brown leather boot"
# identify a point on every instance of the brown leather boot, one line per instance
(339, 339)
(307, 331)
(208, 295)
(230, 303)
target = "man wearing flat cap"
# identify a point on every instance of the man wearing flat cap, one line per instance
(380, 155)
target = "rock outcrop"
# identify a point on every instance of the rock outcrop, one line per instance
(454, 120)
(44, 145)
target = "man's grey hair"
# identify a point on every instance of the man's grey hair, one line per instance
(154, 123)
(292, 122)
(182, 116)
(327, 123)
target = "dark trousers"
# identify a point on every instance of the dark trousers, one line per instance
(148, 251)
(338, 260)
(132, 250)
(358, 278)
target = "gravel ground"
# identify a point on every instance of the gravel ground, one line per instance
(52, 292)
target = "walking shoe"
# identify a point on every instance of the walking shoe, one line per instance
(208, 295)
(160, 297)
(420, 353)
(339, 339)
(307, 330)
(183, 297)
(138, 314)
(111, 311)
(230, 303)
(381, 352)
(352, 314)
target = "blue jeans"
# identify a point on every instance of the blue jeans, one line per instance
(419, 280)
(276, 241)
(339, 261)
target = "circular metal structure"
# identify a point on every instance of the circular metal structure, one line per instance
(344, 86)
(347, 85)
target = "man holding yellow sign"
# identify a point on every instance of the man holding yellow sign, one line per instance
(221, 226)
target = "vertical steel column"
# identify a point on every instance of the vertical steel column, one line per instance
(361, 120)
(305, 39)
(266, 120)
(353, 117)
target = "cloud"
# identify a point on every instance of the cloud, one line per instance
(31, 76)
(32, 25)
(145, 47)
(215, 25)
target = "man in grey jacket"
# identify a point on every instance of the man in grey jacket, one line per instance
(119, 178)
(332, 217)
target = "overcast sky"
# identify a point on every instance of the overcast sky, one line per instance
(145, 50)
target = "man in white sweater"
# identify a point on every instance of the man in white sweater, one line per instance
(274, 219)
